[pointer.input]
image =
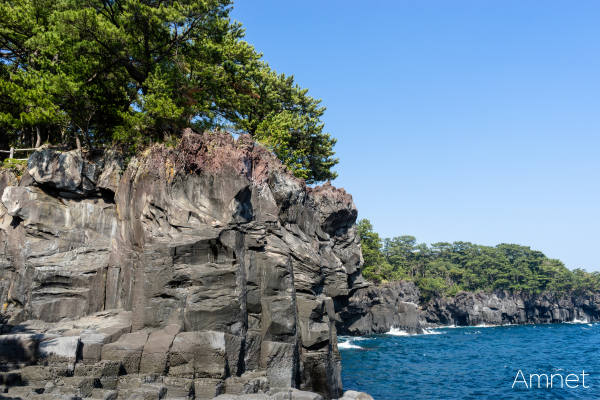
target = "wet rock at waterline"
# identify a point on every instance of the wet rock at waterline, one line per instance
(377, 309)
(501, 308)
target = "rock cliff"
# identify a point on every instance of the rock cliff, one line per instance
(199, 271)
(376, 309)
(500, 308)
(202, 270)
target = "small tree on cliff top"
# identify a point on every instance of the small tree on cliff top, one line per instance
(135, 70)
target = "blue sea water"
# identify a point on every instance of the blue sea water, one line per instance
(474, 362)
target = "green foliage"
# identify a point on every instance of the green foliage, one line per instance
(447, 268)
(136, 70)
(16, 166)
(375, 267)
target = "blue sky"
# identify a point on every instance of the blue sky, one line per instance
(456, 120)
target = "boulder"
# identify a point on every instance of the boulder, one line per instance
(207, 388)
(21, 349)
(248, 383)
(351, 394)
(279, 360)
(59, 350)
(38, 373)
(83, 384)
(179, 387)
(128, 349)
(56, 169)
(91, 346)
(295, 394)
(156, 350)
(199, 355)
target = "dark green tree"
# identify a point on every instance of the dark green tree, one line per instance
(137, 70)
(446, 268)
(376, 268)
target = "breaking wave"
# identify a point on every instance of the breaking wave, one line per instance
(578, 321)
(347, 344)
(397, 332)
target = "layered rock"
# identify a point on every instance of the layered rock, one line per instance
(500, 308)
(377, 309)
(203, 270)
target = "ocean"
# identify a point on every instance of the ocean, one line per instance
(481, 362)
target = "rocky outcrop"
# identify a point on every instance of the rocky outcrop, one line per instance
(377, 309)
(500, 308)
(198, 271)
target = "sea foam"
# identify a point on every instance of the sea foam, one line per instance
(578, 321)
(397, 332)
(348, 345)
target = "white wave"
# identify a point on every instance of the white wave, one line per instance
(483, 325)
(445, 327)
(578, 321)
(348, 345)
(355, 338)
(397, 332)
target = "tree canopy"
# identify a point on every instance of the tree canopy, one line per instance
(446, 268)
(132, 71)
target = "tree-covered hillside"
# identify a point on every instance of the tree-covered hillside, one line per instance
(91, 73)
(446, 268)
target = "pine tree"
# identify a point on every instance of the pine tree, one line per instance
(137, 71)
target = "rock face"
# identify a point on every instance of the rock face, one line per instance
(499, 308)
(377, 309)
(198, 271)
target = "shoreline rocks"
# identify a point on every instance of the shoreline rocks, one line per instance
(501, 308)
(377, 309)
(199, 271)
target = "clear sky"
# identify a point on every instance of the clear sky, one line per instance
(456, 120)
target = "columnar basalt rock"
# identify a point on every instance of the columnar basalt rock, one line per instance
(377, 309)
(202, 270)
(500, 308)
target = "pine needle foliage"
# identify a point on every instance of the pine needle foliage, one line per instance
(446, 268)
(136, 71)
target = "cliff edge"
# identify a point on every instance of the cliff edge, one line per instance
(202, 270)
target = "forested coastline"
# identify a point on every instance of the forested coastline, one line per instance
(444, 269)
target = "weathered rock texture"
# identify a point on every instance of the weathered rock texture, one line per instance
(377, 309)
(198, 271)
(499, 308)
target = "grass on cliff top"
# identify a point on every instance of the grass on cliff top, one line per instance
(16, 166)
